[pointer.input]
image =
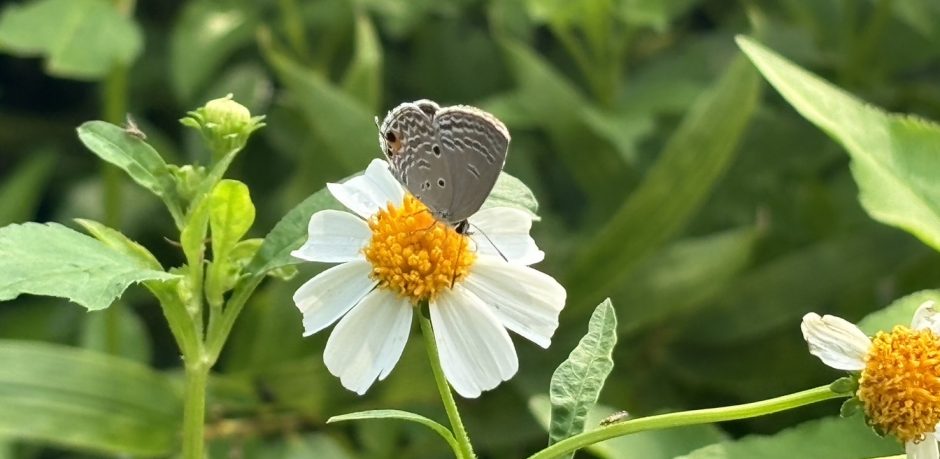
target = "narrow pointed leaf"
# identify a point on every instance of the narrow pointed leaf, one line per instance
(400, 415)
(675, 188)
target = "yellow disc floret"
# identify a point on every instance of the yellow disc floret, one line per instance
(413, 254)
(900, 385)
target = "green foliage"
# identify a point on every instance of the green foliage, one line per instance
(713, 218)
(80, 39)
(135, 157)
(836, 438)
(661, 205)
(84, 399)
(894, 157)
(578, 381)
(56, 261)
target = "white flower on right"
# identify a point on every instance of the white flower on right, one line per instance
(899, 373)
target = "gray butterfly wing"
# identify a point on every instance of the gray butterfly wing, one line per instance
(473, 147)
(407, 137)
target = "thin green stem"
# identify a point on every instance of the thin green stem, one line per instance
(218, 332)
(685, 418)
(466, 449)
(194, 409)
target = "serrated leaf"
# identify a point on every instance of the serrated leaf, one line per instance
(56, 261)
(81, 39)
(831, 438)
(578, 381)
(690, 165)
(363, 78)
(22, 188)
(899, 312)
(84, 399)
(204, 36)
(895, 158)
(400, 415)
(119, 242)
(134, 156)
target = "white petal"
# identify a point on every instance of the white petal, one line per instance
(476, 352)
(331, 293)
(334, 236)
(927, 317)
(926, 449)
(837, 342)
(367, 193)
(367, 343)
(526, 301)
(505, 230)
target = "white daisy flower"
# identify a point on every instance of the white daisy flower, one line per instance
(898, 373)
(394, 256)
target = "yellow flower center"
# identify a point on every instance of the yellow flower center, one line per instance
(900, 385)
(415, 255)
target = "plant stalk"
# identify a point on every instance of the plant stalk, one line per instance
(460, 432)
(686, 418)
(194, 409)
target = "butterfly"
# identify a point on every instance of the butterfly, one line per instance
(449, 158)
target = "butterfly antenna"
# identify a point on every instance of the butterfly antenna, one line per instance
(500, 252)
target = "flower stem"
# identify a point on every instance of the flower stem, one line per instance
(446, 396)
(194, 409)
(685, 418)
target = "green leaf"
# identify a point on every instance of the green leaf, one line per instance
(342, 123)
(511, 192)
(673, 190)
(121, 243)
(80, 39)
(403, 416)
(289, 234)
(231, 214)
(899, 312)
(83, 399)
(363, 79)
(895, 158)
(23, 187)
(578, 381)
(650, 444)
(56, 261)
(134, 156)
(193, 235)
(831, 438)
(205, 35)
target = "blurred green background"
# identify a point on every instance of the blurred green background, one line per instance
(669, 178)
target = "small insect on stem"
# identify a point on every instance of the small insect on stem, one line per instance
(130, 127)
(619, 416)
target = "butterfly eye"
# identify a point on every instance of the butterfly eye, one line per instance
(390, 136)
